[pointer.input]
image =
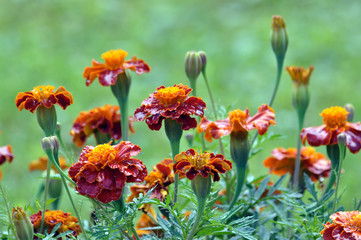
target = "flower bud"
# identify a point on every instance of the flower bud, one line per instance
(55, 142)
(47, 119)
(203, 56)
(351, 111)
(201, 186)
(193, 67)
(279, 39)
(55, 188)
(23, 226)
(47, 145)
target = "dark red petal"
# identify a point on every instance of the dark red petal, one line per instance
(140, 114)
(89, 189)
(63, 100)
(74, 170)
(50, 101)
(137, 65)
(205, 171)
(187, 122)
(316, 136)
(120, 179)
(216, 177)
(106, 196)
(179, 166)
(139, 178)
(109, 77)
(89, 172)
(154, 126)
(106, 179)
(353, 138)
(192, 173)
(327, 233)
(31, 104)
(262, 119)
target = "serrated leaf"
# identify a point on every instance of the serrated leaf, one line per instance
(209, 230)
(262, 187)
(277, 185)
(310, 186)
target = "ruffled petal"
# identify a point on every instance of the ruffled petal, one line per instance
(262, 119)
(106, 196)
(109, 77)
(137, 65)
(89, 189)
(316, 136)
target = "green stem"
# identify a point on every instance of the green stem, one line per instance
(75, 209)
(214, 108)
(135, 234)
(54, 162)
(45, 195)
(241, 176)
(296, 173)
(342, 155)
(12, 227)
(333, 153)
(358, 205)
(123, 104)
(174, 133)
(101, 137)
(200, 210)
(70, 159)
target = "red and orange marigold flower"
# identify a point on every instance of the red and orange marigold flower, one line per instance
(171, 102)
(105, 119)
(335, 123)
(102, 171)
(344, 226)
(314, 164)
(192, 163)
(159, 179)
(6, 153)
(52, 218)
(238, 121)
(43, 96)
(114, 65)
(42, 163)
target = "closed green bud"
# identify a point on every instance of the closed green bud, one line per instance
(47, 145)
(201, 186)
(190, 137)
(341, 139)
(47, 119)
(279, 38)
(193, 67)
(351, 111)
(203, 56)
(55, 142)
(23, 226)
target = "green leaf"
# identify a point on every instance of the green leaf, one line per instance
(277, 185)
(310, 186)
(262, 187)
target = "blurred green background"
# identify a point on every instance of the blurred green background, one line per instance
(50, 43)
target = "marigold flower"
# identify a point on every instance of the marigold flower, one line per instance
(42, 163)
(147, 222)
(105, 119)
(6, 153)
(114, 65)
(171, 102)
(43, 96)
(300, 75)
(335, 122)
(238, 121)
(346, 225)
(192, 163)
(159, 179)
(52, 218)
(314, 164)
(103, 170)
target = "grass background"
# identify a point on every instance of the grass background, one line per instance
(50, 43)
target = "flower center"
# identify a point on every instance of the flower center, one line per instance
(199, 160)
(356, 222)
(334, 117)
(114, 58)
(170, 95)
(238, 118)
(43, 92)
(101, 154)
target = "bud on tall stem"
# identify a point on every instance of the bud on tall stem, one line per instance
(193, 67)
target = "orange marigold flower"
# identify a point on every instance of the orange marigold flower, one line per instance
(103, 170)
(346, 226)
(192, 164)
(114, 65)
(171, 102)
(335, 122)
(300, 75)
(238, 121)
(42, 163)
(159, 179)
(6, 153)
(147, 222)
(43, 96)
(314, 164)
(52, 218)
(105, 119)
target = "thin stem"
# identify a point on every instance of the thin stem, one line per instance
(8, 212)
(45, 195)
(358, 205)
(75, 209)
(342, 155)
(135, 234)
(296, 174)
(241, 175)
(175, 151)
(58, 134)
(54, 162)
(333, 153)
(201, 205)
(214, 108)
(123, 104)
